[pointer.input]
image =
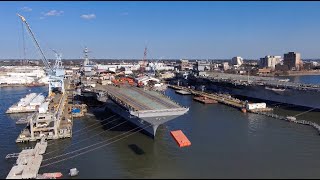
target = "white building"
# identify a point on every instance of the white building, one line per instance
(21, 74)
(225, 66)
(159, 66)
(115, 67)
(146, 79)
(269, 61)
(238, 61)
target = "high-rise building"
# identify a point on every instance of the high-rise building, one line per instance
(237, 61)
(292, 60)
(269, 62)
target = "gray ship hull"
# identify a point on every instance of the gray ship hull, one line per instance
(148, 122)
(296, 97)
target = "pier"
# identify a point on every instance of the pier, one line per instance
(221, 98)
(291, 119)
(56, 122)
(28, 162)
(204, 100)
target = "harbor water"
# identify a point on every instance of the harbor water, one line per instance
(226, 143)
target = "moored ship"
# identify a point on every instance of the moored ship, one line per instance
(263, 88)
(143, 108)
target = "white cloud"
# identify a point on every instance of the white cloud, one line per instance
(124, 14)
(26, 9)
(53, 13)
(88, 16)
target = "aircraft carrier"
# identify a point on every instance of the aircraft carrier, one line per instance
(144, 108)
(263, 88)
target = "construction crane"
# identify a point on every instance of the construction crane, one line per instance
(144, 60)
(44, 59)
(58, 62)
(56, 74)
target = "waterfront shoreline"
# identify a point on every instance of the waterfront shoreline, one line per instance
(307, 73)
(20, 85)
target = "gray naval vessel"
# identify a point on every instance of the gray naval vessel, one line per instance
(265, 88)
(144, 108)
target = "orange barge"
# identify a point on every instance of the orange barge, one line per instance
(180, 138)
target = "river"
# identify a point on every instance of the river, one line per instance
(226, 143)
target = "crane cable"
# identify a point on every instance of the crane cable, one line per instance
(86, 128)
(94, 124)
(23, 43)
(85, 147)
(91, 146)
(88, 137)
(305, 112)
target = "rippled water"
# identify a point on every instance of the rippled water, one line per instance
(225, 144)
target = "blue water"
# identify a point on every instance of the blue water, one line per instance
(309, 79)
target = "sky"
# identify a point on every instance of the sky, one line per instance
(170, 30)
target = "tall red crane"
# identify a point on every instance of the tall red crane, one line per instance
(144, 60)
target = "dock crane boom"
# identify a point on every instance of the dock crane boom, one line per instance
(58, 63)
(57, 73)
(44, 59)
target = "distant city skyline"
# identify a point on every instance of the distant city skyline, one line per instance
(170, 30)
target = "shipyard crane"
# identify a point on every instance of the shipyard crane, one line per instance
(154, 65)
(58, 63)
(56, 74)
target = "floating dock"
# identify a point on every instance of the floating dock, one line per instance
(28, 163)
(180, 138)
